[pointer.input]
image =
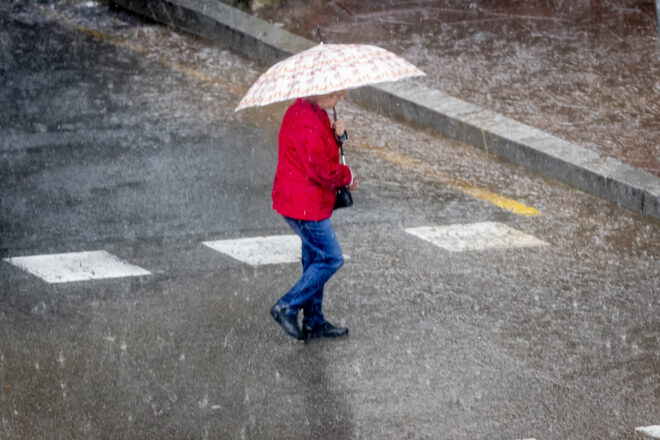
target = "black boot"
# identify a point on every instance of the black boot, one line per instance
(325, 330)
(288, 322)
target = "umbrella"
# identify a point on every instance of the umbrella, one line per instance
(324, 69)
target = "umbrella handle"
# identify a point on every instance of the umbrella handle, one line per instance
(340, 139)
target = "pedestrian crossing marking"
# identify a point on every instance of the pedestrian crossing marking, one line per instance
(258, 251)
(77, 266)
(653, 431)
(475, 237)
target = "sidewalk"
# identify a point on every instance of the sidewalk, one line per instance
(569, 91)
(582, 71)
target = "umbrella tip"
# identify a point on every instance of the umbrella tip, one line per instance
(318, 34)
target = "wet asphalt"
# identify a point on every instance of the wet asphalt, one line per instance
(120, 135)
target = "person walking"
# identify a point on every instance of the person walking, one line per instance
(306, 181)
(309, 174)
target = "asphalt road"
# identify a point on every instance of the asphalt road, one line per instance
(119, 137)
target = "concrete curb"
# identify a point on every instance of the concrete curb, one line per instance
(584, 169)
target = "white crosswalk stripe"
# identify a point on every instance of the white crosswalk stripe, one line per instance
(77, 266)
(475, 237)
(653, 431)
(256, 251)
(264, 250)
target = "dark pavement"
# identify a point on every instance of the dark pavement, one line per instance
(119, 135)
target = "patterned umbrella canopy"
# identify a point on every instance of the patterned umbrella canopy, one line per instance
(327, 68)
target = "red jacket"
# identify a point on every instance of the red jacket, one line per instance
(308, 169)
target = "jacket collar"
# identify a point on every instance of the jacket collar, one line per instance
(322, 114)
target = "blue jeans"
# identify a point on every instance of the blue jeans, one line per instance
(321, 258)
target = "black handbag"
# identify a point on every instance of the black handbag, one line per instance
(344, 198)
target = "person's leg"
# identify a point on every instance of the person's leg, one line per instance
(313, 308)
(322, 257)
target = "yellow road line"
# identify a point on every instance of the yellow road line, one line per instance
(400, 159)
(425, 169)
